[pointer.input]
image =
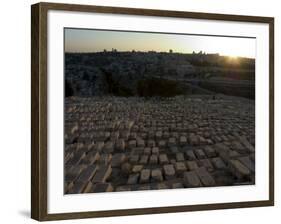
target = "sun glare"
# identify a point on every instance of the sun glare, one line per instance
(233, 57)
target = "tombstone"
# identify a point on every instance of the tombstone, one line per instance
(163, 159)
(161, 186)
(153, 159)
(126, 168)
(202, 140)
(118, 159)
(155, 150)
(88, 188)
(156, 175)
(140, 142)
(105, 159)
(102, 174)
(183, 140)
(151, 143)
(72, 173)
(224, 152)
(147, 151)
(207, 164)
(78, 187)
(192, 165)
(217, 138)
(247, 144)
(137, 151)
(143, 159)
(133, 136)
(180, 157)
(237, 146)
(120, 144)
(174, 149)
(218, 163)
(132, 144)
(172, 141)
(102, 187)
(144, 187)
(238, 169)
(129, 124)
(76, 159)
(191, 179)
(166, 135)
(193, 140)
(87, 174)
(177, 185)
(180, 167)
(144, 176)
(205, 177)
(68, 186)
(114, 136)
(106, 134)
(151, 134)
(134, 159)
(125, 135)
(74, 128)
(98, 146)
(133, 178)
(91, 157)
(245, 160)
(123, 188)
(158, 134)
(210, 152)
(161, 143)
(137, 168)
(169, 171)
(200, 154)
(209, 142)
(91, 146)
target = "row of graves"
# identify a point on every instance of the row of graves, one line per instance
(127, 144)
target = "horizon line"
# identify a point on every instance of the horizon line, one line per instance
(152, 51)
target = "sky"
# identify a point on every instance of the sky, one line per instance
(86, 40)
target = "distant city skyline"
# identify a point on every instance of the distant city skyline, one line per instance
(86, 40)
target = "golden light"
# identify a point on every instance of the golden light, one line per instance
(233, 57)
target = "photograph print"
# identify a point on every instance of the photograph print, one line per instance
(152, 111)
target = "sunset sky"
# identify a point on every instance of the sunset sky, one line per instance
(85, 40)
